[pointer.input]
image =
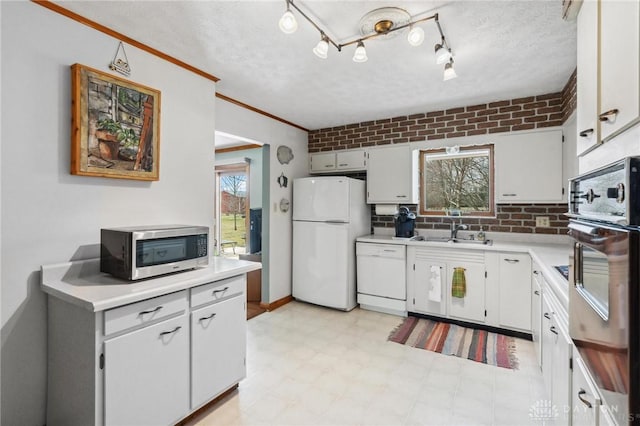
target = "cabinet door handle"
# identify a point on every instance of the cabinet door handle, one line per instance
(150, 311)
(546, 315)
(401, 196)
(165, 333)
(329, 165)
(536, 292)
(553, 330)
(222, 290)
(586, 133)
(584, 401)
(343, 164)
(606, 116)
(536, 273)
(509, 195)
(512, 260)
(207, 317)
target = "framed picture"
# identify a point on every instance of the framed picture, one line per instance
(115, 126)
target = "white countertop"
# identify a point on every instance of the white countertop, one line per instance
(81, 282)
(547, 256)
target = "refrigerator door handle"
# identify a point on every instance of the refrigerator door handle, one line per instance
(334, 221)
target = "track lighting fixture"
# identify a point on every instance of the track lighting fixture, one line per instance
(288, 23)
(360, 55)
(415, 36)
(449, 72)
(379, 22)
(322, 48)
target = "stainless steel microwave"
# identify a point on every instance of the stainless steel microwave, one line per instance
(146, 251)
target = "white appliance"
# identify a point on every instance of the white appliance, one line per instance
(329, 213)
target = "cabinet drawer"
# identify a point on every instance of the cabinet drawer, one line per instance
(218, 290)
(144, 312)
(381, 250)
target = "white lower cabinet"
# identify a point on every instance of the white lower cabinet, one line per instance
(585, 399)
(218, 348)
(151, 362)
(429, 283)
(514, 309)
(146, 375)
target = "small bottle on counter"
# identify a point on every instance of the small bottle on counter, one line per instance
(480, 236)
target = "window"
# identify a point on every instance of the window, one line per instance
(457, 182)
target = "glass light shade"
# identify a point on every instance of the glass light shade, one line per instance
(288, 23)
(321, 49)
(415, 36)
(449, 72)
(360, 55)
(442, 54)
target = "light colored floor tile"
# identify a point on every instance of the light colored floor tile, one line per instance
(314, 366)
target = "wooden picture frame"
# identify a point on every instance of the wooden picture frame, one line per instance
(115, 126)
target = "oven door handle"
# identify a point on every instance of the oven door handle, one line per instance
(585, 229)
(577, 265)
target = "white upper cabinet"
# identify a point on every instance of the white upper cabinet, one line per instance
(528, 167)
(336, 161)
(588, 125)
(619, 65)
(392, 175)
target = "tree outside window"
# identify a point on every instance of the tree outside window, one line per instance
(460, 183)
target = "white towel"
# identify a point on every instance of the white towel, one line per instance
(435, 284)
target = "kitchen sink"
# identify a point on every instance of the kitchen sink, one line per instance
(452, 240)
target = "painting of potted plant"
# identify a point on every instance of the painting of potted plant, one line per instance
(115, 126)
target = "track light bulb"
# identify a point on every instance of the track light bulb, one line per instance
(415, 36)
(322, 48)
(360, 55)
(288, 23)
(442, 54)
(449, 72)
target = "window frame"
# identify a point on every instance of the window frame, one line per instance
(442, 213)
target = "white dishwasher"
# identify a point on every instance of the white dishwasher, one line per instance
(381, 277)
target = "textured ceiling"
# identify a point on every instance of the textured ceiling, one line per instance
(502, 50)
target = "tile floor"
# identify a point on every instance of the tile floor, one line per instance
(308, 365)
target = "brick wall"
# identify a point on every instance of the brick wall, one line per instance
(509, 218)
(532, 112)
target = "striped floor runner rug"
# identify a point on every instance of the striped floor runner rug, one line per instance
(450, 339)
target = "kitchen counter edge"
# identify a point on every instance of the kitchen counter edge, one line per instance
(82, 284)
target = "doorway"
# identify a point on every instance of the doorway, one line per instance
(232, 188)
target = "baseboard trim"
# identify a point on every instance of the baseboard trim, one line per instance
(190, 419)
(506, 332)
(278, 303)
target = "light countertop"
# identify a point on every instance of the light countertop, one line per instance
(81, 282)
(546, 255)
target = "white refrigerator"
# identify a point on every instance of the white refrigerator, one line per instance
(329, 213)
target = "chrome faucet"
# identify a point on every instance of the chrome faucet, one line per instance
(455, 228)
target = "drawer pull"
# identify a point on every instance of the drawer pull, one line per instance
(389, 251)
(329, 165)
(546, 315)
(606, 116)
(586, 133)
(222, 290)
(208, 317)
(343, 165)
(165, 333)
(536, 292)
(151, 311)
(584, 401)
(512, 260)
(401, 196)
(509, 195)
(553, 330)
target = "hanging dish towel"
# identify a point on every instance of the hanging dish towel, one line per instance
(435, 284)
(459, 283)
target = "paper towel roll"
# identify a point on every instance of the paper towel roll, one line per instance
(386, 209)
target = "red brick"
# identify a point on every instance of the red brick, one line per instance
(465, 127)
(425, 121)
(523, 127)
(549, 110)
(511, 122)
(477, 132)
(499, 104)
(455, 110)
(384, 131)
(430, 137)
(549, 123)
(476, 107)
(522, 229)
(511, 209)
(445, 118)
(523, 114)
(416, 139)
(500, 129)
(554, 102)
(435, 114)
(409, 134)
(522, 100)
(438, 125)
(535, 119)
(494, 228)
(510, 108)
(426, 132)
(465, 115)
(521, 216)
(487, 125)
(548, 96)
(477, 120)
(534, 105)
(456, 122)
(401, 140)
(386, 120)
(446, 129)
(400, 118)
(416, 116)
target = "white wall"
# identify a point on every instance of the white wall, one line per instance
(241, 122)
(50, 216)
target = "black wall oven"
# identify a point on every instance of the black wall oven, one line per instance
(604, 294)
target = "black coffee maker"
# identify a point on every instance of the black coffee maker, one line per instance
(405, 223)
